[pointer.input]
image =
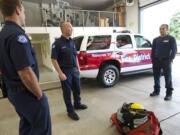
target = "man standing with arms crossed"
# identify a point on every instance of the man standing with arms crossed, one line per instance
(20, 72)
(66, 64)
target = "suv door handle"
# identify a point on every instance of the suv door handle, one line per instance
(119, 53)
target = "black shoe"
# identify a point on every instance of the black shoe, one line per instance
(73, 116)
(81, 107)
(153, 94)
(168, 97)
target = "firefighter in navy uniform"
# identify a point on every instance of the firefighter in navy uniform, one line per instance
(163, 52)
(66, 64)
(20, 72)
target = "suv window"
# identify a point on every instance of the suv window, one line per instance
(124, 41)
(141, 42)
(78, 42)
(99, 42)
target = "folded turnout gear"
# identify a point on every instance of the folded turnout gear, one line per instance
(133, 119)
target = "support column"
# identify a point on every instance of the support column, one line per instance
(121, 14)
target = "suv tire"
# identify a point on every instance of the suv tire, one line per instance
(109, 75)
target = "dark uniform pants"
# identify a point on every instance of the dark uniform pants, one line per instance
(166, 66)
(34, 114)
(71, 83)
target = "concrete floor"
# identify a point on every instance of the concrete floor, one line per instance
(102, 102)
(47, 75)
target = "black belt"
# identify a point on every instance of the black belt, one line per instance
(162, 59)
(67, 67)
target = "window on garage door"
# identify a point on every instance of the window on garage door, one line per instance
(141, 42)
(78, 42)
(100, 42)
(123, 42)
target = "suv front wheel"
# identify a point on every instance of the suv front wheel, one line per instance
(109, 75)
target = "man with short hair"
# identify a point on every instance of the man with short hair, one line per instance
(66, 64)
(20, 72)
(164, 50)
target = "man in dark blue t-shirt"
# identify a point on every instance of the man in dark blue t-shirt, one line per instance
(164, 50)
(66, 64)
(20, 72)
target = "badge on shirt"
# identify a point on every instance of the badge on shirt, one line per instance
(165, 41)
(22, 39)
(53, 46)
(64, 47)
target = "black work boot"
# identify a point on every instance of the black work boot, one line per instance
(154, 93)
(73, 116)
(80, 107)
(168, 97)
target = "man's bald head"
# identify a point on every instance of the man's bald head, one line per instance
(163, 29)
(66, 29)
(164, 26)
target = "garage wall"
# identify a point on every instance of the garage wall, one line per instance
(33, 14)
(37, 47)
(46, 53)
(1, 19)
(35, 18)
(132, 17)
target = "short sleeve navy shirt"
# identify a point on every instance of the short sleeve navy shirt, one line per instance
(64, 51)
(17, 53)
(164, 47)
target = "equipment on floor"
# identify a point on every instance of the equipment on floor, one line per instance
(133, 119)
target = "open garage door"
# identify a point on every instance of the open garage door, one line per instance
(152, 17)
(149, 3)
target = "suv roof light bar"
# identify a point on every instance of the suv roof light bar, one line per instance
(123, 31)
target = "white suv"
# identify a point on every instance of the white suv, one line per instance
(106, 56)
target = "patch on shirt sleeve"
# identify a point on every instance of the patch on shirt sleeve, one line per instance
(22, 39)
(53, 46)
(74, 46)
